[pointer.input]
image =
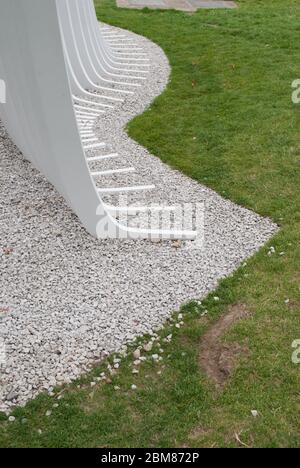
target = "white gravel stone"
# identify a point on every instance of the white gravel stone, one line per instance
(137, 354)
(148, 347)
(71, 299)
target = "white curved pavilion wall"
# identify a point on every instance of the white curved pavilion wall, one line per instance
(48, 53)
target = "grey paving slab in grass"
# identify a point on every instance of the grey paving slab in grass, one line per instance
(184, 5)
(212, 4)
(153, 3)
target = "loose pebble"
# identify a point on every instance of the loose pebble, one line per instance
(137, 354)
(148, 347)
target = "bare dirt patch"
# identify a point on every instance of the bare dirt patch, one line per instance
(218, 359)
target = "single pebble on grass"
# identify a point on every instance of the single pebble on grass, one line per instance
(148, 347)
(169, 338)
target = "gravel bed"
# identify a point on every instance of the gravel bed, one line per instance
(67, 299)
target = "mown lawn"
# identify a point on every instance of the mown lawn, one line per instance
(231, 89)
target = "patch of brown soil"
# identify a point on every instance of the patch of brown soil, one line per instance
(199, 432)
(218, 359)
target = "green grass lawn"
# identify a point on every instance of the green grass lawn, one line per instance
(231, 89)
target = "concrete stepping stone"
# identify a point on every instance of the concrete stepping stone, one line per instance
(183, 5)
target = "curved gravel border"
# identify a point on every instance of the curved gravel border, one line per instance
(68, 299)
